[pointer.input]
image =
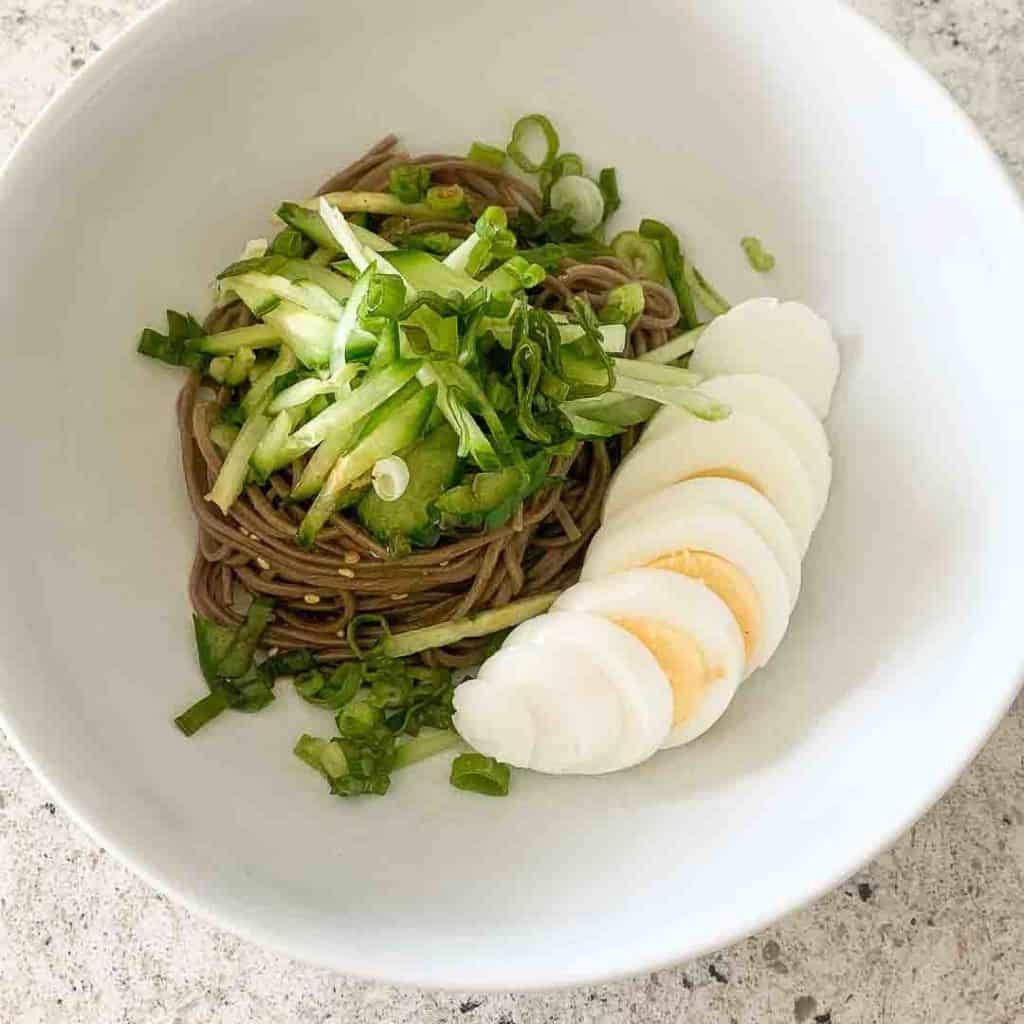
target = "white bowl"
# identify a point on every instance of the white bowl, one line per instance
(795, 121)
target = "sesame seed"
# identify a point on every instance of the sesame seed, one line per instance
(399, 597)
(311, 599)
(351, 557)
(348, 573)
(443, 564)
(262, 563)
(255, 536)
(272, 651)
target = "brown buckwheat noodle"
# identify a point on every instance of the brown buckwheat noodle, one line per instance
(252, 550)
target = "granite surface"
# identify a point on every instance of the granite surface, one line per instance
(931, 931)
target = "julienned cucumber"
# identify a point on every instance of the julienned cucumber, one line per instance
(432, 466)
(310, 336)
(259, 394)
(338, 439)
(231, 478)
(347, 411)
(383, 203)
(229, 342)
(311, 224)
(426, 273)
(399, 431)
(290, 270)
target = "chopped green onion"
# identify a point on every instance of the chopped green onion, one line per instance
(385, 297)
(608, 183)
(582, 199)
(288, 242)
(641, 256)
(218, 368)
(625, 303)
(476, 773)
(203, 711)
(757, 255)
(566, 164)
(409, 182)
(446, 199)
(176, 347)
(427, 745)
(390, 478)
(522, 131)
(675, 267)
(482, 153)
(705, 294)
(238, 372)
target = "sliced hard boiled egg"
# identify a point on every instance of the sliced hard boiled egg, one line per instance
(775, 402)
(737, 497)
(567, 693)
(740, 447)
(781, 339)
(687, 628)
(710, 544)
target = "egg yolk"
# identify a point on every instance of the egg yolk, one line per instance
(724, 579)
(729, 474)
(680, 658)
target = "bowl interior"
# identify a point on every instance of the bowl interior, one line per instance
(799, 124)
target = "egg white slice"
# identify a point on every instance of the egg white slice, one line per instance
(775, 402)
(688, 629)
(711, 544)
(618, 658)
(740, 447)
(572, 693)
(780, 339)
(737, 497)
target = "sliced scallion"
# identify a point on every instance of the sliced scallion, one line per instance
(525, 133)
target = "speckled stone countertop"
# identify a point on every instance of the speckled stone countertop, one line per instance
(931, 931)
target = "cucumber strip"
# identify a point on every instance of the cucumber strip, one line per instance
(582, 427)
(310, 336)
(400, 645)
(304, 391)
(266, 459)
(686, 398)
(375, 389)
(674, 349)
(231, 478)
(383, 203)
(305, 294)
(311, 224)
(290, 269)
(473, 442)
(258, 300)
(338, 440)
(399, 431)
(259, 394)
(223, 435)
(613, 336)
(615, 410)
(347, 326)
(238, 372)
(227, 343)
(426, 273)
(659, 373)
